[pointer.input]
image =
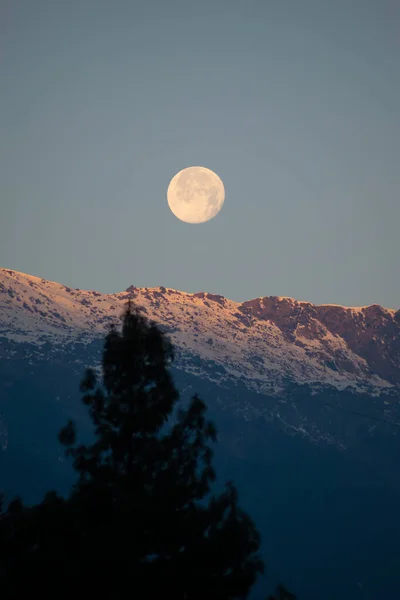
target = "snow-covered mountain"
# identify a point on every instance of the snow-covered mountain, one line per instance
(263, 343)
(306, 400)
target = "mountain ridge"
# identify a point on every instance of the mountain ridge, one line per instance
(261, 342)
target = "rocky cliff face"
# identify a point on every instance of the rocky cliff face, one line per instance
(371, 332)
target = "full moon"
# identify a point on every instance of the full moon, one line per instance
(195, 195)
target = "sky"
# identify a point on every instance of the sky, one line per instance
(295, 105)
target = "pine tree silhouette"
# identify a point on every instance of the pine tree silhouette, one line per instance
(143, 498)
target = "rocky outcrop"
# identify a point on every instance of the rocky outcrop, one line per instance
(371, 332)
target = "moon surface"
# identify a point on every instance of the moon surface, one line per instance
(195, 195)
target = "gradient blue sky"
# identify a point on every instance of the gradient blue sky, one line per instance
(294, 104)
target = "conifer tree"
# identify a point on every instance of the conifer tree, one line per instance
(143, 498)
